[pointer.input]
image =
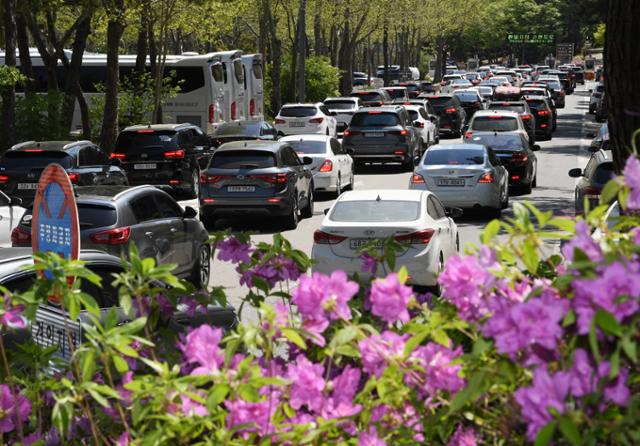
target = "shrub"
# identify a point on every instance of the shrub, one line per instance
(520, 347)
(322, 79)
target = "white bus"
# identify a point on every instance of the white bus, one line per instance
(212, 86)
(254, 87)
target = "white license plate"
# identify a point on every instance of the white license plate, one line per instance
(48, 330)
(297, 124)
(27, 186)
(374, 134)
(145, 166)
(357, 243)
(450, 182)
(241, 188)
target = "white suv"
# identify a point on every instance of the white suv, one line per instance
(298, 119)
(495, 121)
(344, 108)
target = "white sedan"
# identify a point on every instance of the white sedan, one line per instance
(416, 219)
(300, 119)
(332, 167)
(10, 214)
(425, 126)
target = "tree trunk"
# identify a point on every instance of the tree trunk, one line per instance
(25, 59)
(276, 58)
(440, 62)
(385, 53)
(142, 45)
(109, 130)
(333, 44)
(302, 50)
(318, 49)
(622, 71)
(345, 62)
(9, 94)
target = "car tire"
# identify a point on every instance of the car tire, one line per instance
(338, 186)
(351, 181)
(291, 220)
(436, 288)
(327, 133)
(408, 164)
(201, 268)
(505, 201)
(307, 211)
(194, 190)
(534, 183)
(527, 188)
(208, 221)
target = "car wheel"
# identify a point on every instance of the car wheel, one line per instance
(436, 288)
(351, 181)
(338, 186)
(534, 183)
(307, 211)
(327, 131)
(201, 268)
(291, 220)
(527, 188)
(408, 164)
(194, 190)
(457, 243)
(505, 200)
(208, 221)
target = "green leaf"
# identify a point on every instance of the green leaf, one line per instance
(217, 395)
(344, 336)
(348, 350)
(98, 397)
(414, 342)
(490, 231)
(629, 347)
(120, 364)
(570, 431)
(564, 224)
(248, 393)
(127, 350)
(608, 323)
(593, 341)
(569, 318)
(88, 365)
(294, 337)
(615, 364)
(610, 191)
(440, 336)
(545, 435)
(530, 255)
(403, 275)
(469, 393)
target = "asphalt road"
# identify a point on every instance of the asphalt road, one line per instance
(554, 192)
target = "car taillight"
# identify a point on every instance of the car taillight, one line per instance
(212, 113)
(4, 179)
(543, 112)
(233, 111)
(402, 132)
(450, 110)
(592, 192)
(486, 178)
(116, 236)
(519, 157)
(252, 107)
(20, 237)
(212, 179)
(526, 117)
(280, 121)
(174, 154)
(272, 179)
(327, 166)
(420, 125)
(416, 178)
(422, 237)
(562, 93)
(468, 134)
(74, 177)
(323, 238)
(118, 156)
(316, 120)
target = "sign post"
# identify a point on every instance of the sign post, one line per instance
(564, 52)
(55, 226)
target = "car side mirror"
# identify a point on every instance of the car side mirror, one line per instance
(453, 212)
(326, 211)
(189, 212)
(590, 90)
(16, 201)
(307, 160)
(349, 151)
(418, 124)
(575, 173)
(535, 147)
(433, 118)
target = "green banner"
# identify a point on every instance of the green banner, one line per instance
(536, 39)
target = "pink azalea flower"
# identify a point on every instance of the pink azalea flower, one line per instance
(463, 437)
(14, 410)
(377, 350)
(321, 297)
(631, 174)
(201, 349)
(307, 384)
(390, 298)
(11, 315)
(234, 251)
(253, 417)
(370, 438)
(369, 263)
(340, 404)
(439, 373)
(584, 242)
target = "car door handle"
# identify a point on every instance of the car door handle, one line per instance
(148, 234)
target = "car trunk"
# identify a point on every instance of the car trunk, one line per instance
(360, 234)
(452, 176)
(21, 170)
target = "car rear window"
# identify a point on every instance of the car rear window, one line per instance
(439, 102)
(396, 93)
(235, 129)
(28, 160)
(373, 211)
(339, 105)
(536, 104)
(375, 119)
(454, 156)
(368, 96)
(308, 147)
(497, 124)
(89, 216)
(466, 96)
(603, 173)
(146, 139)
(500, 141)
(298, 112)
(238, 159)
(413, 114)
(518, 108)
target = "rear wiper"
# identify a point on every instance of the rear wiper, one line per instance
(249, 166)
(86, 225)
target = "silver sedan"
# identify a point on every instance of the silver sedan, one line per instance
(463, 175)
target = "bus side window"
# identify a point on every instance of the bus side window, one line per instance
(224, 71)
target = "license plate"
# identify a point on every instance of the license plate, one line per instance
(48, 330)
(373, 134)
(297, 124)
(450, 182)
(27, 186)
(145, 166)
(357, 243)
(241, 188)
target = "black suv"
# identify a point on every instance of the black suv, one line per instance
(85, 163)
(540, 107)
(598, 171)
(256, 177)
(372, 98)
(382, 134)
(169, 155)
(452, 114)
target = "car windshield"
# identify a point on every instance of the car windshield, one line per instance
(368, 96)
(499, 141)
(374, 211)
(340, 105)
(298, 112)
(145, 139)
(374, 119)
(242, 159)
(454, 156)
(518, 108)
(467, 96)
(495, 124)
(27, 160)
(308, 147)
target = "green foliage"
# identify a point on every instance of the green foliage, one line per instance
(38, 117)
(10, 77)
(322, 79)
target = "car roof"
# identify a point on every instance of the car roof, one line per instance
(384, 194)
(456, 146)
(385, 108)
(267, 146)
(49, 146)
(341, 98)
(301, 104)
(308, 137)
(159, 127)
(505, 113)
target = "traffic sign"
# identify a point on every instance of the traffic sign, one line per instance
(55, 226)
(564, 52)
(532, 38)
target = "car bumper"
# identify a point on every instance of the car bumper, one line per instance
(254, 206)
(422, 265)
(325, 181)
(482, 195)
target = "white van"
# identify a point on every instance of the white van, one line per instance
(254, 87)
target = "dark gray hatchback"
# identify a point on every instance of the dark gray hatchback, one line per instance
(256, 177)
(112, 218)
